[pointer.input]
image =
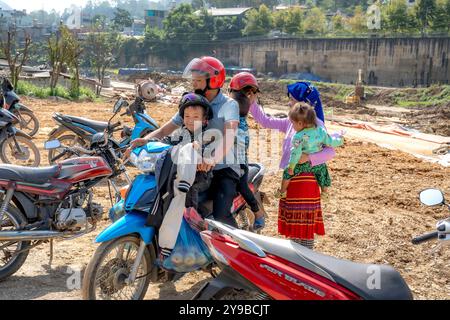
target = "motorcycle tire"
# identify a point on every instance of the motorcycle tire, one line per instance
(89, 287)
(19, 260)
(21, 141)
(32, 126)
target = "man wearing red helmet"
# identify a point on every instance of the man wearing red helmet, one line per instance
(207, 75)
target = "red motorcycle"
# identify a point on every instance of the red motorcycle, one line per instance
(284, 270)
(40, 204)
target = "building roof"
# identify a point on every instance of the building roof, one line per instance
(222, 12)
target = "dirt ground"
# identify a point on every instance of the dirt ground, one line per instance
(371, 215)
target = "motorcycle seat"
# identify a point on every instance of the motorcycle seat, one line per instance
(360, 278)
(28, 174)
(98, 126)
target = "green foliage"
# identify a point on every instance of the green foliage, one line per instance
(289, 21)
(258, 22)
(228, 28)
(425, 12)
(399, 18)
(315, 22)
(122, 18)
(29, 89)
(358, 23)
(441, 20)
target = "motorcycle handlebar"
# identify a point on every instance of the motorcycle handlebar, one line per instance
(83, 150)
(114, 125)
(425, 237)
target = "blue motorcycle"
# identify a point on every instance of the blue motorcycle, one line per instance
(126, 260)
(76, 131)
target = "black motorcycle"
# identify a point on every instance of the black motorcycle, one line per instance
(77, 131)
(16, 147)
(10, 101)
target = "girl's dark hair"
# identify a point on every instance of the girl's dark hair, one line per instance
(303, 112)
(243, 101)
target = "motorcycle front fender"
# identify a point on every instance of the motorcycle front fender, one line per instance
(131, 223)
(144, 124)
(20, 133)
(20, 107)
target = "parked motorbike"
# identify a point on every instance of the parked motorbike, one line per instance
(125, 262)
(102, 145)
(16, 147)
(77, 131)
(41, 204)
(435, 197)
(10, 101)
(281, 269)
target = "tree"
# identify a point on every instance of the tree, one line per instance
(99, 21)
(315, 22)
(258, 22)
(425, 12)
(338, 23)
(73, 54)
(58, 52)
(122, 18)
(358, 23)
(441, 20)
(228, 28)
(293, 22)
(15, 53)
(98, 48)
(399, 17)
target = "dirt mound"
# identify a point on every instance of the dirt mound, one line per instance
(435, 120)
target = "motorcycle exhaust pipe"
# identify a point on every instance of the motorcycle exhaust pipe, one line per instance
(29, 235)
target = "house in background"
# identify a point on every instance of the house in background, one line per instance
(154, 18)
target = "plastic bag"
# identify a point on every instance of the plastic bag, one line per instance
(117, 211)
(190, 252)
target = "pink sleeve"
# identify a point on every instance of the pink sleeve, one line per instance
(267, 121)
(321, 157)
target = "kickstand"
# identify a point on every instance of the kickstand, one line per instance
(51, 255)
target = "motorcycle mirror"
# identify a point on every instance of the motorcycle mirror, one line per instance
(118, 105)
(431, 197)
(52, 144)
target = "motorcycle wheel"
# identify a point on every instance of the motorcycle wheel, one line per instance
(10, 155)
(28, 122)
(69, 140)
(104, 278)
(12, 220)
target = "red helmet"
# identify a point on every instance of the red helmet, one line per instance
(242, 80)
(211, 67)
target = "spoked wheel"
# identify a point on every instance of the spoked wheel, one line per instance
(10, 259)
(66, 141)
(28, 122)
(21, 151)
(111, 265)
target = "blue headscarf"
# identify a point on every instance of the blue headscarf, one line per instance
(306, 92)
